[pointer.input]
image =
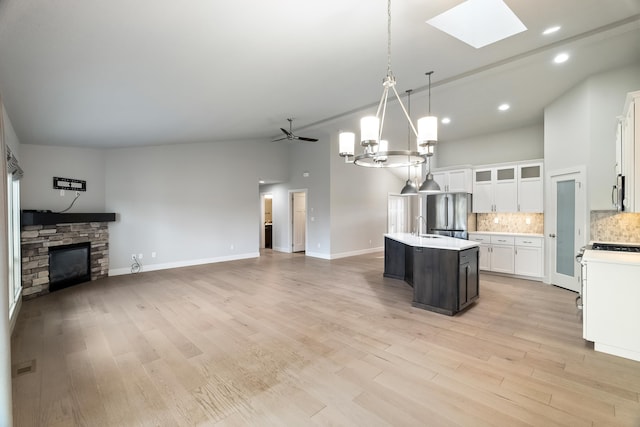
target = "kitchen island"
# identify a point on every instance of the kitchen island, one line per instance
(443, 271)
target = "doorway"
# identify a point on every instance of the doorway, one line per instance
(298, 221)
(567, 232)
(266, 221)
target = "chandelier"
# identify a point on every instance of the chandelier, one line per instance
(376, 151)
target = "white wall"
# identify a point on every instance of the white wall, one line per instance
(358, 202)
(190, 203)
(10, 137)
(525, 143)
(41, 163)
(580, 129)
(312, 159)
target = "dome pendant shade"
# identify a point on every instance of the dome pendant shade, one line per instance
(429, 185)
(409, 188)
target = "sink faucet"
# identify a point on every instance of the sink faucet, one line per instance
(418, 224)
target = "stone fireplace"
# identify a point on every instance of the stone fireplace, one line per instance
(36, 239)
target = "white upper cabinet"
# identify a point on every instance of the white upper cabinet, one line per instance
(530, 187)
(495, 189)
(454, 181)
(508, 188)
(630, 152)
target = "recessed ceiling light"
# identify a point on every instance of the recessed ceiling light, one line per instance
(504, 107)
(446, 120)
(551, 30)
(261, 181)
(479, 22)
(561, 57)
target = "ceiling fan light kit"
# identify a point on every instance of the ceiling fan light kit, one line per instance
(376, 155)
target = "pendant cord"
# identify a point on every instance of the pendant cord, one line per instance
(409, 130)
(389, 37)
(429, 74)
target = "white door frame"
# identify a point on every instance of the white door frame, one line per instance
(582, 216)
(290, 219)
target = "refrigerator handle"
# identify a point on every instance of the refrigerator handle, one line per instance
(446, 211)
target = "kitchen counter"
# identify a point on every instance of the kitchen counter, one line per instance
(443, 271)
(434, 241)
(610, 295)
(503, 233)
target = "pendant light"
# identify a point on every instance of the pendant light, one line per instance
(410, 187)
(428, 136)
(428, 128)
(429, 185)
(375, 155)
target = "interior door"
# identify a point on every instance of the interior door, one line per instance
(567, 236)
(398, 214)
(299, 227)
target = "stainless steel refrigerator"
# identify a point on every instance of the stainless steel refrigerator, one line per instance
(448, 214)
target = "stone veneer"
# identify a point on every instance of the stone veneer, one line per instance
(612, 226)
(511, 222)
(36, 240)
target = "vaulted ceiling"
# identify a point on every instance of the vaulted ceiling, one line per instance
(121, 73)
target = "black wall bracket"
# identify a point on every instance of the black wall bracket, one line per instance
(69, 184)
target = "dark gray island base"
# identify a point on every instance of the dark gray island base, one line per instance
(443, 271)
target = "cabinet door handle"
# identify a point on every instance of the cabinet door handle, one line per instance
(526, 241)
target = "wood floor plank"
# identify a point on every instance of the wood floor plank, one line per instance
(285, 339)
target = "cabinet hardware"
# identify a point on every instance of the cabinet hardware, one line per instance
(552, 235)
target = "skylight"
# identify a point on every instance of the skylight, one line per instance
(479, 22)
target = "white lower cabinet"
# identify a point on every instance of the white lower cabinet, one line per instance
(510, 254)
(528, 256)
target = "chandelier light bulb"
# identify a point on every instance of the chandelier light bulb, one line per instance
(346, 143)
(369, 130)
(427, 129)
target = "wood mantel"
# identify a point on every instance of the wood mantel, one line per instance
(52, 218)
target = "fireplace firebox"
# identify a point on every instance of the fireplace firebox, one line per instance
(69, 265)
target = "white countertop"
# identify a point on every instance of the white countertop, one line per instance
(611, 257)
(502, 233)
(432, 241)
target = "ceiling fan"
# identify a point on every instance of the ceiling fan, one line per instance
(291, 137)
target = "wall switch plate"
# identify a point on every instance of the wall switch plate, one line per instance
(153, 254)
(140, 256)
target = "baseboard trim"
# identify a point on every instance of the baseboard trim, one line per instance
(188, 263)
(355, 253)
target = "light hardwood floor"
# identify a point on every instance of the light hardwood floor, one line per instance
(289, 340)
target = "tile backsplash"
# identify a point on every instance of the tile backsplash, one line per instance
(612, 226)
(511, 222)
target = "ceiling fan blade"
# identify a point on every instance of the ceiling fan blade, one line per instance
(302, 138)
(279, 139)
(286, 132)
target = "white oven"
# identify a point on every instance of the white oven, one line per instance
(610, 294)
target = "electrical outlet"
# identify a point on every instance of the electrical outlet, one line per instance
(61, 193)
(153, 254)
(232, 247)
(140, 256)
